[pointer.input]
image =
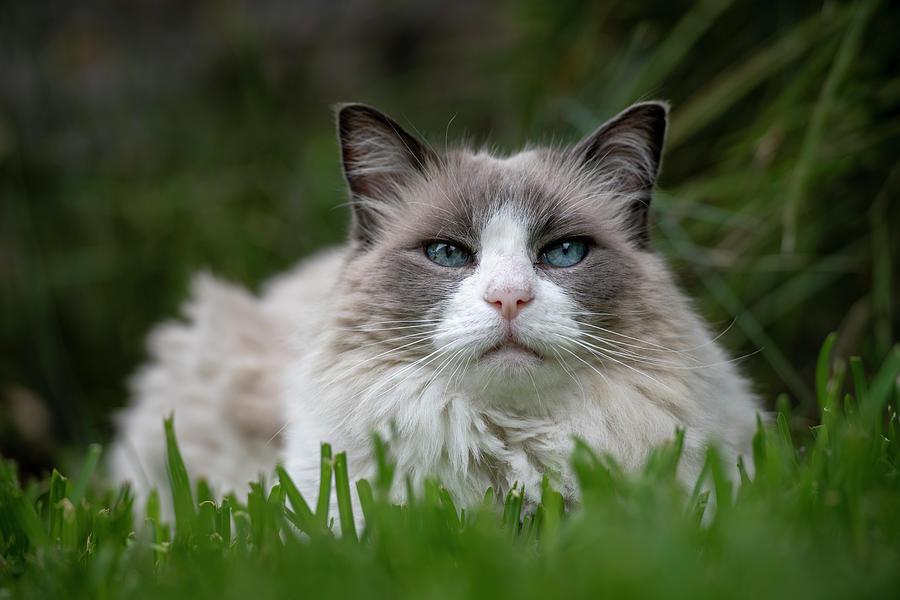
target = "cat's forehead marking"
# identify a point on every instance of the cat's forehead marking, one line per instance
(505, 233)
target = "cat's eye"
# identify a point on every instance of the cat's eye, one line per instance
(447, 254)
(564, 253)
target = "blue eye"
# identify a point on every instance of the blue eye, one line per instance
(564, 254)
(448, 255)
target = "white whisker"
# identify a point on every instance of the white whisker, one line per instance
(376, 357)
(606, 356)
(592, 367)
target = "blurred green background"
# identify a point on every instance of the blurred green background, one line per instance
(143, 141)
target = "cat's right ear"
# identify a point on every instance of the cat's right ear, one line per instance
(379, 159)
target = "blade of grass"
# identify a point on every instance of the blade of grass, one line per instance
(223, 520)
(451, 514)
(823, 370)
(700, 505)
(342, 489)
(152, 509)
(742, 471)
(385, 468)
(324, 486)
(80, 485)
(881, 389)
(759, 445)
(304, 518)
(721, 484)
(784, 431)
(58, 491)
(203, 491)
(488, 500)
(553, 507)
(69, 534)
(206, 518)
(256, 510)
(699, 496)
(860, 385)
(180, 484)
(783, 406)
(29, 521)
(366, 501)
(512, 508)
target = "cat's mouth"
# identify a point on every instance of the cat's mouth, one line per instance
(512, 353)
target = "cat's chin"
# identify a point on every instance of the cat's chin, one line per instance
(511, 355)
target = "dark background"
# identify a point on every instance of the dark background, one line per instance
(143, 141)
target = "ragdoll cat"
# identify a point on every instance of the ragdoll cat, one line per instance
(484, 311)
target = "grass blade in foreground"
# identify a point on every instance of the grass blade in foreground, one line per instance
(185, 515)
(342, 489)
(324, 487)
(302, 515)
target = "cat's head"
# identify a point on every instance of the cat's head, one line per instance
(471, 263)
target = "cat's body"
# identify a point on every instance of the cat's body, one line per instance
(485, 311)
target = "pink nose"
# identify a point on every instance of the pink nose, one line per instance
(508, 301)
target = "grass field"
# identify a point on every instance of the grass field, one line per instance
(820, 518)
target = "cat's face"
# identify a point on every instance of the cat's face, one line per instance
(467, 264)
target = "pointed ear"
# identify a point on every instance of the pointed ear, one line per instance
(379, 158)
(624, 155)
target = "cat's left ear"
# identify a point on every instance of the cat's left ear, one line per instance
(623, 156)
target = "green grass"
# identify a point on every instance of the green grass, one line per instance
(819, 518)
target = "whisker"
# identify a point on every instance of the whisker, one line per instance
(416, 366)
(603, 314)
(611, 332)
(453, 374)
(390, 340)
(562, 364)
(383, 329)
(671, 365)
(411, 322)
(371, 358)
(604, 355)
(277, 433)
(592, 367)
(437, 373)
(536, 392)
(625, 352)
(715, 339)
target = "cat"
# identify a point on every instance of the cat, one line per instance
(484, 312)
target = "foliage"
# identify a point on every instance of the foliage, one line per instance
(819, 518)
